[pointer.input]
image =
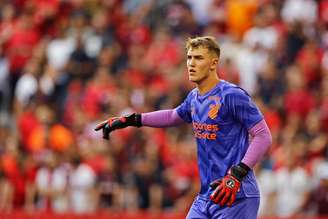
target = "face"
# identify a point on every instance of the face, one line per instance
(200, 64)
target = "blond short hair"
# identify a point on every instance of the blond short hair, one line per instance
(208, 42)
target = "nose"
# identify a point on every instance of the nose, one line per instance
(191, 62)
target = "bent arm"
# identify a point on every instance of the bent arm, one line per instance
(161, 118)
(261, 141)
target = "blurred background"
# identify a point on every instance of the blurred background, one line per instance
(65, 65)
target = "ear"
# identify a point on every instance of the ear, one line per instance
(214, 64)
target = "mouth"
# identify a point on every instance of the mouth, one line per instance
(191, 71)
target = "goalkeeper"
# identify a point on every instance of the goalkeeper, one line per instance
(229, 129)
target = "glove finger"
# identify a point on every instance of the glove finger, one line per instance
(232, 199)
(215, 184)
(106, 132)
(215, 192)
(100, 125)
(226, 197)
(220, 196)
(115, 124)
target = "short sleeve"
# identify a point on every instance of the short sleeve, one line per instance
(243, 109)
(184, 109)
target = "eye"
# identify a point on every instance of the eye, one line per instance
(188, 57)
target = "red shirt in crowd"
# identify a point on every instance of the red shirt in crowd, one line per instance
(299, 102)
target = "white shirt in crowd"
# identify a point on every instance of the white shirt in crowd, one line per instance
(82, 181)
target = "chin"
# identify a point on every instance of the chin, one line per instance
(192, 79)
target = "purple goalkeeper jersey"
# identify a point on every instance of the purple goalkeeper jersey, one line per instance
(220, 121)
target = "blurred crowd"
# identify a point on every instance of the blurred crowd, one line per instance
(67, 64)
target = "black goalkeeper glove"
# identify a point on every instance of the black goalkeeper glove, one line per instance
(226, 188)
(114, 123)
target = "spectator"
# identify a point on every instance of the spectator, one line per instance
(82, 196)
(290, 199)
(4, 88)
(318, 198)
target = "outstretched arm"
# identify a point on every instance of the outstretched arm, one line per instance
(156, 119)
(161, 118)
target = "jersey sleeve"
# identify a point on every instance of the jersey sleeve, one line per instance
(243, 109)
(184, 109)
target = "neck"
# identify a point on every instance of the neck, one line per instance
(208, 84)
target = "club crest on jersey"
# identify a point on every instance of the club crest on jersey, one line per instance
(214, 110)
